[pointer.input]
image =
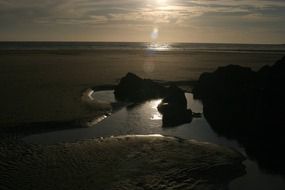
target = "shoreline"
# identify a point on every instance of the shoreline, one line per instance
(161, 52)
(46, 88)
(25, 129)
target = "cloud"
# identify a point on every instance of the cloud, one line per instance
(174, 14)
(149, 12)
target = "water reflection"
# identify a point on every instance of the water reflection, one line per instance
(96, 120)
(158, 46)
(155, 103)
(140, 120)
(156, 115)
(98, 101)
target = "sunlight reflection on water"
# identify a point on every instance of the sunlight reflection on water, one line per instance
(135, 119)
(156, 115)
(159, 46)
(140, 120)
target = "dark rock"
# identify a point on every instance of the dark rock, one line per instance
(197, 115)
(224, 82)
(174, 118)
(176, 100)
(174, 108)
(135, 89)
(228, 93)
(248, 106)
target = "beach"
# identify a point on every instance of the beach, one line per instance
(47, 105)
(46, 85)
(142, 95)
(124, 162)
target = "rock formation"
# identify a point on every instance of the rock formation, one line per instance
(135, 89)
(248, 106)
(174, 108)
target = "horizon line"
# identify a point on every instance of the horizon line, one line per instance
(85, 41)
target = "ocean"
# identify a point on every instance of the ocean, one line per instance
(194, 47)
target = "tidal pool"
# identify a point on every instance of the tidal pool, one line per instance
(144, 119)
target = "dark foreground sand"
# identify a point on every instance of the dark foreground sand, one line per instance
(129, 162)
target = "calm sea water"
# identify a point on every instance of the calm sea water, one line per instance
(204, 47)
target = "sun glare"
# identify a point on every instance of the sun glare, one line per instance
(161, 1)
(154, 34)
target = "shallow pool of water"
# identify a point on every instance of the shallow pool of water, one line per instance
(142, 119)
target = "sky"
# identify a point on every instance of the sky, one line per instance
(206, 21)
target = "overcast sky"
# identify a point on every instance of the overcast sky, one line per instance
(238, 21)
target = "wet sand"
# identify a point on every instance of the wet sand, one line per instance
(127, 162)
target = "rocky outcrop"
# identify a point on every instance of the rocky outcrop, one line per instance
(248, 106)
(174, 108)
(225, 83)
(227, 94)
(135, 89)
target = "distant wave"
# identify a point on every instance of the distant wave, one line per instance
(195, 47)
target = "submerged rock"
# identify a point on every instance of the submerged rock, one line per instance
(127, 162)
(135, 89)
(249, 107)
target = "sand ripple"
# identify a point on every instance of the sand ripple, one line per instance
(129, 162)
